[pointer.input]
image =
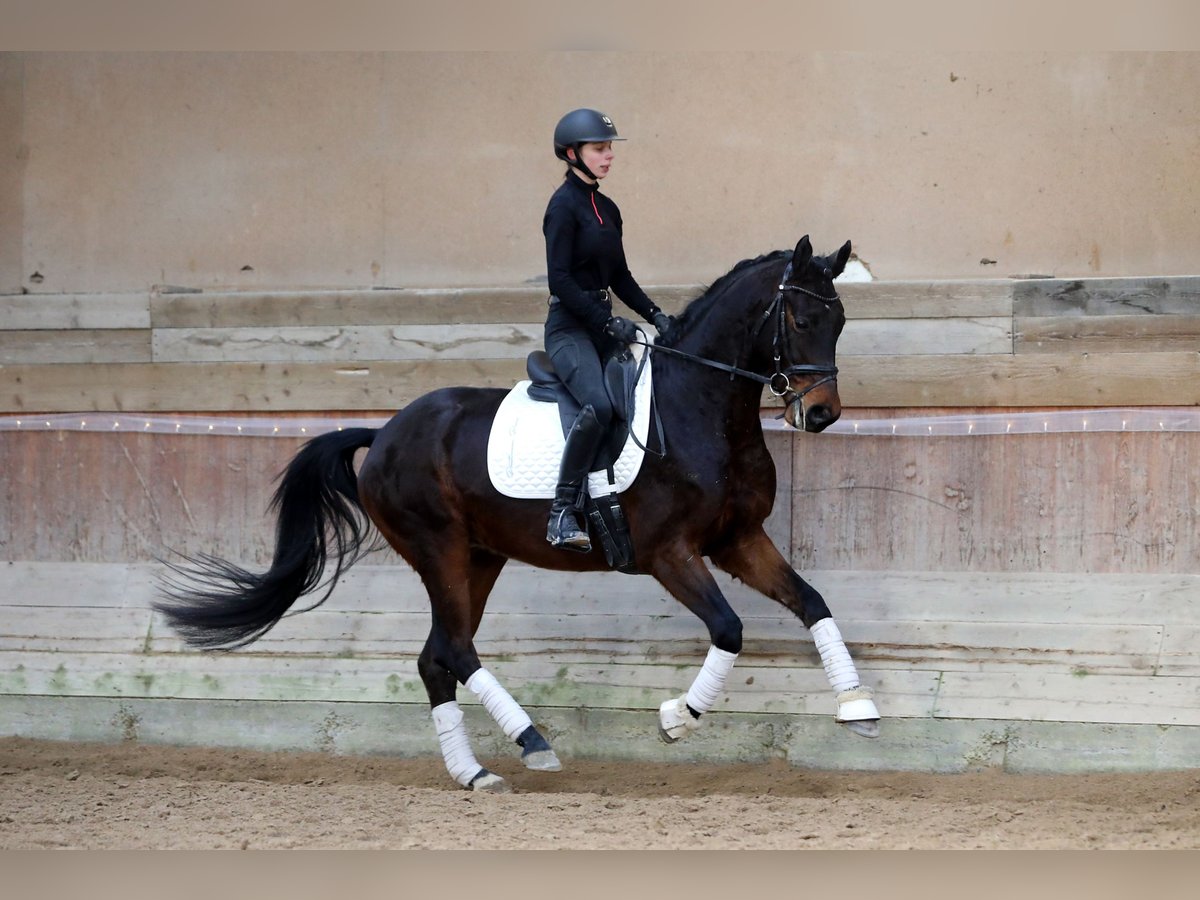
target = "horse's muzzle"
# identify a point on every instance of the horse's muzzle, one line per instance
(819, 417)
(814, 408)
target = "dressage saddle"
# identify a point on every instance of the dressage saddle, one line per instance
(620, 378)
(606, 519)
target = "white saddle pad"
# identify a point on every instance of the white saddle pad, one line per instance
(526, 444)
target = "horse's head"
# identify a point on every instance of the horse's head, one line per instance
(809, 320)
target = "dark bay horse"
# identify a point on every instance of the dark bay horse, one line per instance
(424, 485)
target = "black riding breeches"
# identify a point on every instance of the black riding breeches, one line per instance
(578, 362)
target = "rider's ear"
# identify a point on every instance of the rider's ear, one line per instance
(843, 257)
(802, 255)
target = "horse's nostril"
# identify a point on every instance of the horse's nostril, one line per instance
(819, 417)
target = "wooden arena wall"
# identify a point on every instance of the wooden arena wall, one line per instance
(1025, 600)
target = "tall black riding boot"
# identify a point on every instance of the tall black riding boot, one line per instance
(563, 529)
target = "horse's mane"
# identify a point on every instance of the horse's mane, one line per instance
(699, 306)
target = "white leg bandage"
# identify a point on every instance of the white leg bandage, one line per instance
(839, 668)
(855, 703)
(499, 702)
(707, 687)
(456, 746)
(675, 721)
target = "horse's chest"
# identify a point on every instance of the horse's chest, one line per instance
(734, 482)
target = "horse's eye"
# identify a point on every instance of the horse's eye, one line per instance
(802, 324)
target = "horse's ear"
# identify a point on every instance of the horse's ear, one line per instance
(802, 255)
(839, 261)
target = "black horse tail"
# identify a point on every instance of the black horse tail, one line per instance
(214, 604)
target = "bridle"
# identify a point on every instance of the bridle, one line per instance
(778, 382)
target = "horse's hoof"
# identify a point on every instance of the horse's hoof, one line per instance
(489, 783)
(868, 728)
(856, 710)
(675, 720)
(542, 761)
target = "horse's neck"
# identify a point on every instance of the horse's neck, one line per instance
(724, 336)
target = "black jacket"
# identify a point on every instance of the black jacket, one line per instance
(584, 255)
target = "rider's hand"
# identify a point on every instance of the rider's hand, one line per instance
(621, 329)
(662, 322)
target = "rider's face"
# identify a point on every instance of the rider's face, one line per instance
(597, 157)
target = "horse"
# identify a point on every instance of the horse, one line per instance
(423, 484)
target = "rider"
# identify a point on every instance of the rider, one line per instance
(584, 258)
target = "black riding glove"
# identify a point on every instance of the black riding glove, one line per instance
(662, 322)
(621, 329)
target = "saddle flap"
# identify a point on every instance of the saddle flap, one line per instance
(620, 379)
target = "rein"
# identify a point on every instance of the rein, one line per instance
(780, 381)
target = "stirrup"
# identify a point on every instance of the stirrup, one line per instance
(575, 539)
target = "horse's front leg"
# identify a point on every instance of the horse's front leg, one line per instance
(684, 574)
(756, 561)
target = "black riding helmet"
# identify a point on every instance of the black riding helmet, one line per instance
(582, 126)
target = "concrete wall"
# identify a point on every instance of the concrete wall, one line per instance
(433, 169)
(12, 161)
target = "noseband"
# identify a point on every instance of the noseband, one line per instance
(780, 382)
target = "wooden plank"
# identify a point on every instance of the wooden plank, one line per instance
(347, 343)
(949, 298)
(250, 309)
(1113, 502)
(74, 586)
(993, 647)
(1107, 296)
(881, 299)
(536, 682)
(1054, 696)
(75, 346)
(1011, 597)
(71, 631)
(1037, 380)
(241, 387)
(30, 312)
(1107, 334)
(899, 337)
(1181, 649)
(958, 598)
(678, 637)
(957, 380)
(435, 306)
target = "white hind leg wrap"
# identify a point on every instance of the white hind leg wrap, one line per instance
(707, 687)
(456, 746)
(499, 702)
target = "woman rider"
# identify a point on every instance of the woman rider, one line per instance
(585, 258)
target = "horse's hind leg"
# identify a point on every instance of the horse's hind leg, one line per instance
(755, 560)
(449, 657)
